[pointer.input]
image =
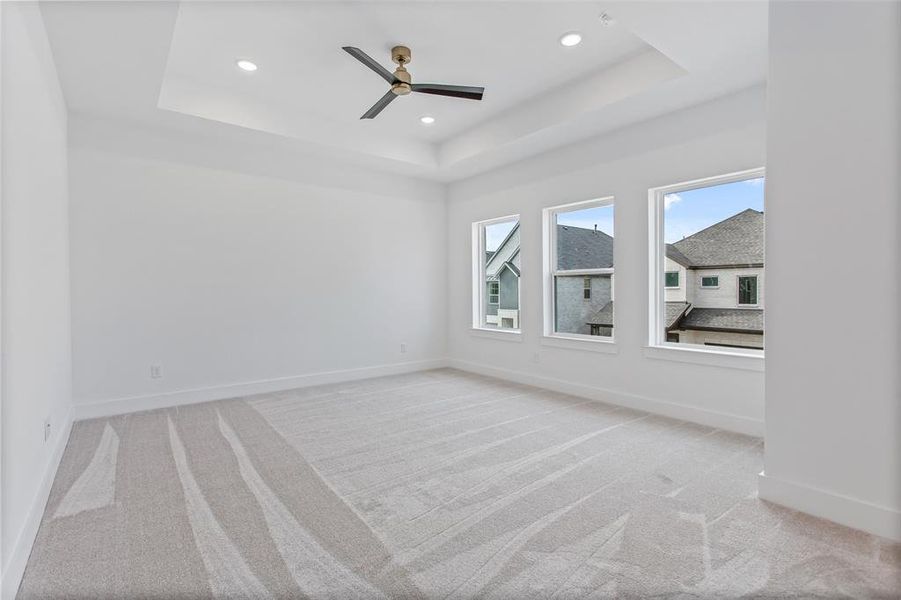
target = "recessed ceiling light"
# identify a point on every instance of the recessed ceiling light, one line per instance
(246, 65)
(570, 39)
(426, 120)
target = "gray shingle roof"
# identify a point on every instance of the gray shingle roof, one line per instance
(748, 320)
(737, 240)
(579, 248)
(673, 253)
(673, 311)
(604, 316)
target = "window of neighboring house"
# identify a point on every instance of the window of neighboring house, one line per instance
(578, 283)
(494, 291)
(496, 271)
(715, 223)
(747, 290)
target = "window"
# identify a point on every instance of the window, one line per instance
(494, 290)
(708, 231)
(747, 290)
(496, 272)
(579, 270)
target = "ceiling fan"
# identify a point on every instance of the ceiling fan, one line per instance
(402, 84)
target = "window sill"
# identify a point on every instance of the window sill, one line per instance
(508, 335)
(580, 343)
(715, 358)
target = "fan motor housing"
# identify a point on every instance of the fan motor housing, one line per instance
(401, 89)
(402, 86)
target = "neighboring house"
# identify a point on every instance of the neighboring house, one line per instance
(502, 269)
(577, 297)
(714, 285)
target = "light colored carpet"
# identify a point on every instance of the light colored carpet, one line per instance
(429, 485)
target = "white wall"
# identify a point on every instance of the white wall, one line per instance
(833, 403)
(226, 277)
(36, 348)
(712, 139)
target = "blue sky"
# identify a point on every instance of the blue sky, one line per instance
(688, 212)
(602, 216)
(685, 213)
(495, 234)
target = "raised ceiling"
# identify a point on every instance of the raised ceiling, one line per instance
(170, 64)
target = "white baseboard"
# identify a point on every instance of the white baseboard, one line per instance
(844, 510)
(21, 550)
(729, 422)
(118, 406)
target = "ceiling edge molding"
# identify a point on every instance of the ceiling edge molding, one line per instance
(258, 157)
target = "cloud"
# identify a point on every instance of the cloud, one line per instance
(757, 182)
(671, 199)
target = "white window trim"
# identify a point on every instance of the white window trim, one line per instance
(573, 341)
(478, 282)
(657, 346)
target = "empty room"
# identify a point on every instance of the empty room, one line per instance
(450, 299)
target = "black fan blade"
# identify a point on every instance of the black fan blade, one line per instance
(379, 106)
(371, 63)
(454, 91)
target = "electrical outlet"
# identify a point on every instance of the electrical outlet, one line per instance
(156, 371)
(536, 358)
(403, 348)
(46, 430)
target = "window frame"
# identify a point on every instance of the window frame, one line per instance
(738, 301)
(479, 289)
(678, 280)
(497, 294)
(657, 346)
(550, 336)
(710, 287)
